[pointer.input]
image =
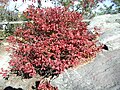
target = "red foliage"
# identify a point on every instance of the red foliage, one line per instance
(55, 40)
(45, 85)
(3, 72)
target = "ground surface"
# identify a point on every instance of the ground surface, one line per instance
(101, 74)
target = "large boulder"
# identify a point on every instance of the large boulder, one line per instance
(109, 29)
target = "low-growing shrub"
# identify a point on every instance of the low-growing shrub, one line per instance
(55, 39)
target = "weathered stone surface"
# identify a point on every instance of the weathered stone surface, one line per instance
(4, 57)
(18, 82)
(109, 26)
(102, 74)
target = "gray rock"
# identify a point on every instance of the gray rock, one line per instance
(109, 26)
(102, 74)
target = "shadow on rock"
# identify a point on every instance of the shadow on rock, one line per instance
(11, 88)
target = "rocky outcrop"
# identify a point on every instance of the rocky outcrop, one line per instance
(109, 28)
(101, 74)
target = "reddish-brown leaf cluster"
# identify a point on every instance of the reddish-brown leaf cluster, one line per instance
(53, 41)
(45, 85)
